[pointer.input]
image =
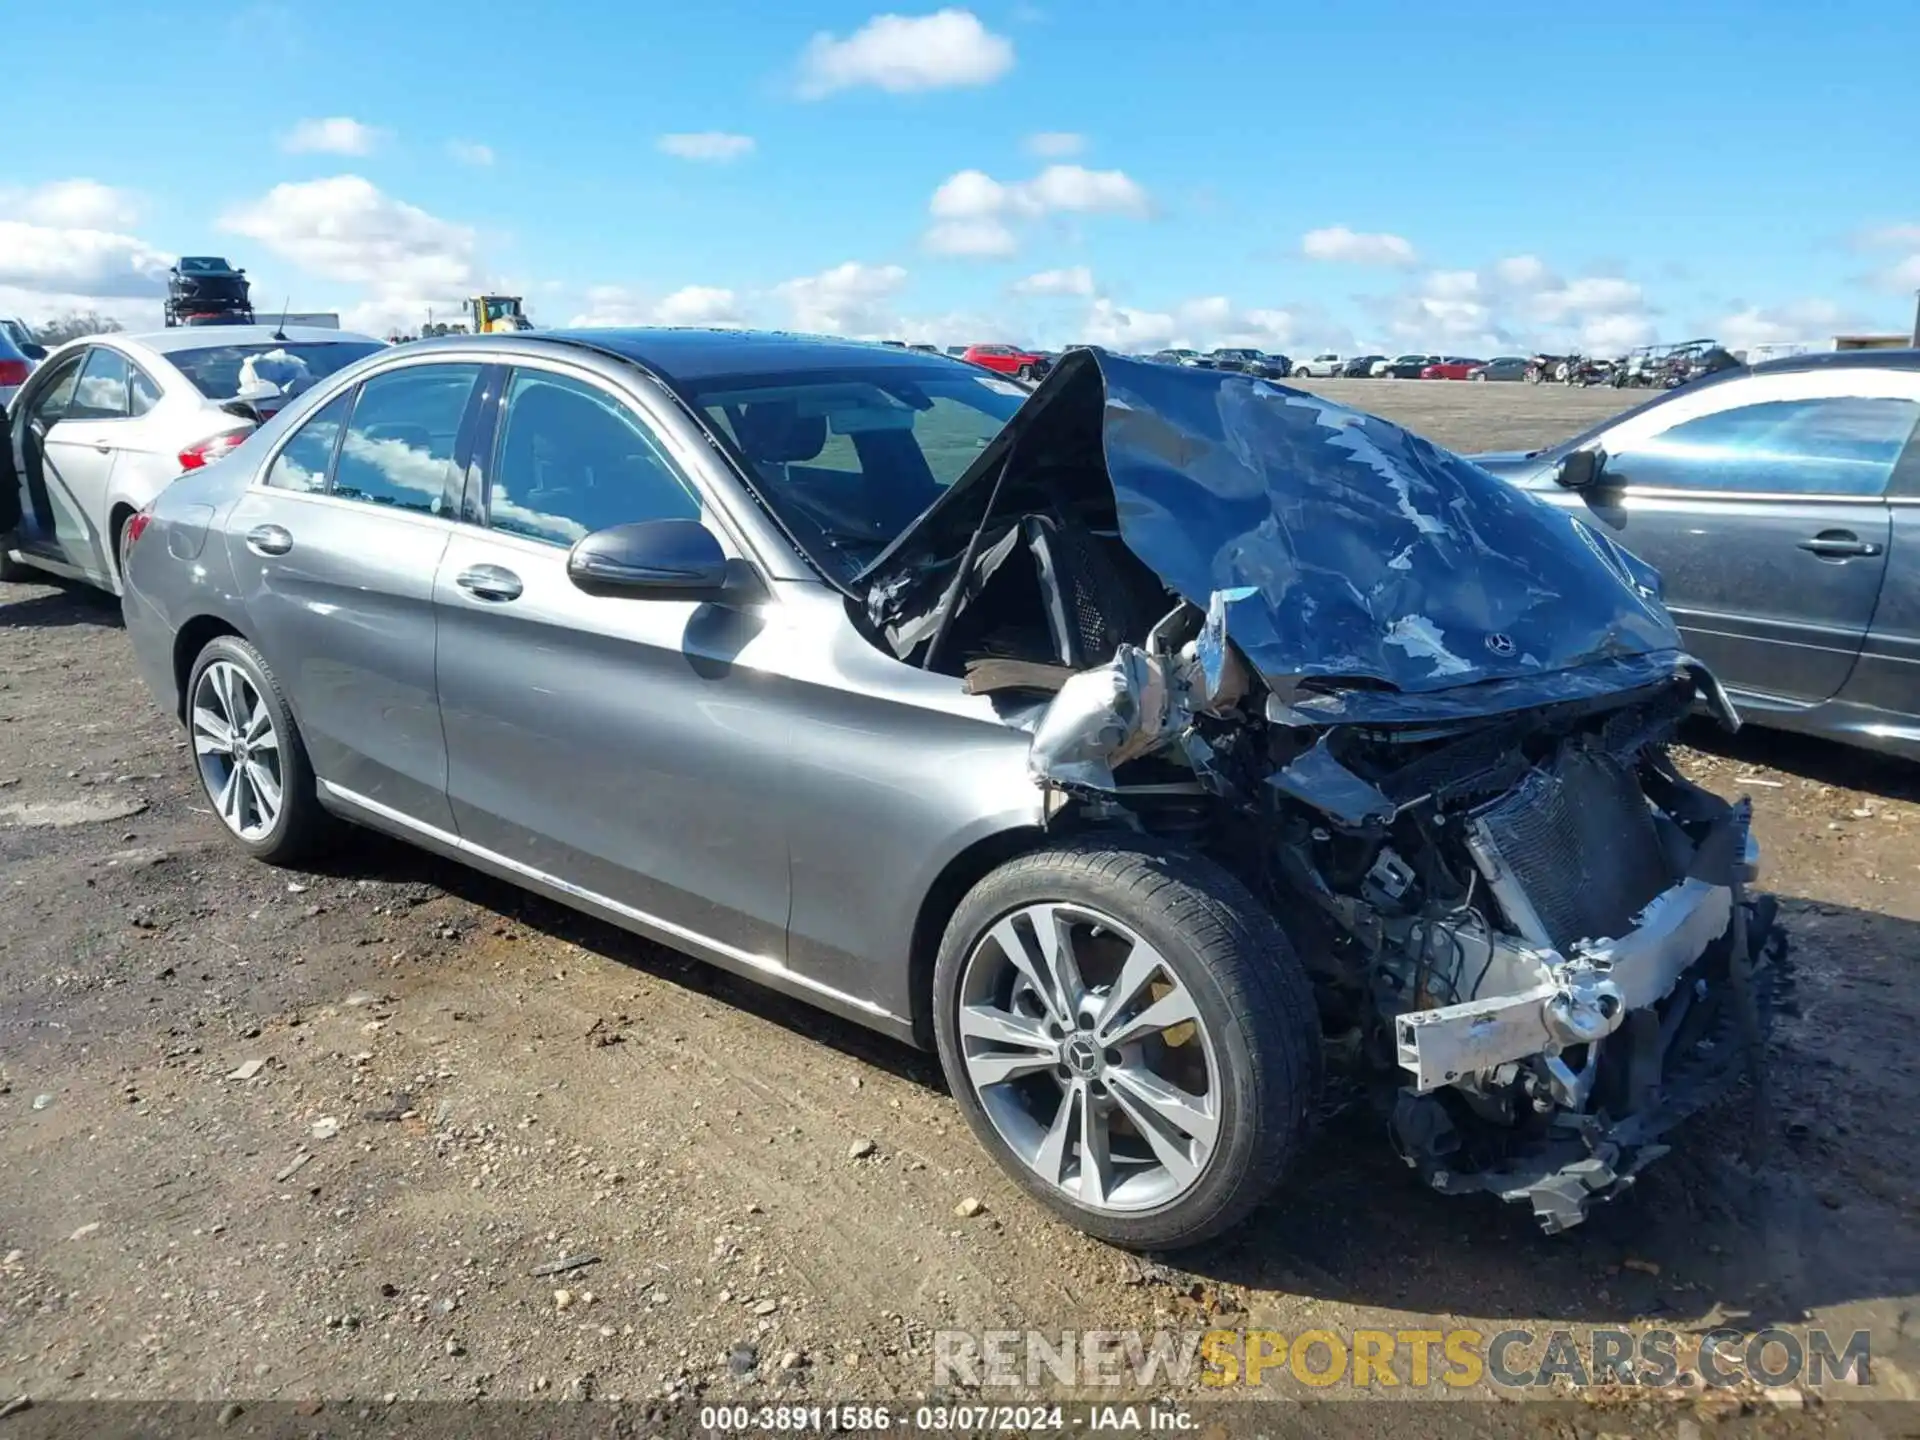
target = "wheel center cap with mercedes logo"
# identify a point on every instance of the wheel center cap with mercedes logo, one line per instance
(1082, 1056)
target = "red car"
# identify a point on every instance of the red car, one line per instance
(1451, 368)
(1007, 360)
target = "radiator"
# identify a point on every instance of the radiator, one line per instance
(1577, 841)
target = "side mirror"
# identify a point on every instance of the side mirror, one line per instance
(34, 351)
(652, 559)
(1581, 469)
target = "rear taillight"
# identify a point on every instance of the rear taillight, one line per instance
(13, 372)
(214, 448)
(136, 527)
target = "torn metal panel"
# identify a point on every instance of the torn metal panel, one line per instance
(1369, 554)
(1327, 785)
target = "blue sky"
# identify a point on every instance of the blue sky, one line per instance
(1470, 178)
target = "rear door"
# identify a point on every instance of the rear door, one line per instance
(75, 428)
(625, 747)
(1763, 505)
(335, 549)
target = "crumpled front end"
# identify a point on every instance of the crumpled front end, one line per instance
(1530, 925)
(1420, 714)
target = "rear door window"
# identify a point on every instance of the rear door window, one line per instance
(50, 406)
(1836, 445)
(102, 391)
(303, 461)
(399, 446)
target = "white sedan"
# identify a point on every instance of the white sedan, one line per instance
(106, 423)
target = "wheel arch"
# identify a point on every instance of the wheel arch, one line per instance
(961, 873)
(188, 642)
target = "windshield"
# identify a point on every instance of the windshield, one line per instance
(202, 265)
(215, 370)
(848, 458)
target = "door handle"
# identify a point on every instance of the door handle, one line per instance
(103, 447)
(1838, 545)
(269, 540)
(489, 582)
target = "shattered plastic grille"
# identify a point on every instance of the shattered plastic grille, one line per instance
(1580, 841)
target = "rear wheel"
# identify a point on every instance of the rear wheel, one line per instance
(1130, 1035)
(248, 751)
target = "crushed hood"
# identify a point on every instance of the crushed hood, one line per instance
(1361, 551)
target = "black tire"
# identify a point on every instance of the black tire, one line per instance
(303, 828)
(1025, 372)
(12, 572)
(1248, 986)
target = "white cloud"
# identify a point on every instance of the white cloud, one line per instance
(700, 305)
(1204, 323)
(902, 53)
(1903, 274)
(1797, 321)
(614, 305)
(470, 152)
(1075, 280)
(972, 211)
(850, 299)
(64, 247)
(336, 135)
(972, 239)
(691, 305)
(68, 262)
(713, 145)
(76, 204)
(346, 229)
(1338, 243)
(1055, 144)
(1517, 303)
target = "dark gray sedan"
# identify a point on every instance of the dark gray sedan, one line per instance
(1111, 739)
(1781, 505)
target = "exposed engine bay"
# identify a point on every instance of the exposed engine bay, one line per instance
(1422, 716)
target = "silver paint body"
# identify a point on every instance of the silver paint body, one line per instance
(755, 784)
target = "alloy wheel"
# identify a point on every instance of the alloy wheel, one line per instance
(1089, 1057)
(237, 747)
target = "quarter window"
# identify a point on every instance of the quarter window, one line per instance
(102, 391)
(399, 445)
(1839, 445)
(302, 462)
(142, 393)
(573, 460)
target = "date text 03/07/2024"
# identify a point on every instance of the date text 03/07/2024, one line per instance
(856, 1419)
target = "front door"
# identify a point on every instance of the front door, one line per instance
(336, 551)
(51, 524)
(1769, 526)
(619, 745)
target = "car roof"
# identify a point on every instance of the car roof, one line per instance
(689, 356)
(1839, 360)
(201, 337)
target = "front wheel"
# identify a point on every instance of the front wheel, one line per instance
(1130, 1035)
(252, 762)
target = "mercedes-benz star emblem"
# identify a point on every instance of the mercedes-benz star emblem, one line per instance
(1500, 644)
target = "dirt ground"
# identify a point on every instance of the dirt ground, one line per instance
(306, 1135)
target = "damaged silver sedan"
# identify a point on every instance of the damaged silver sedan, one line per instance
(1146, 746)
